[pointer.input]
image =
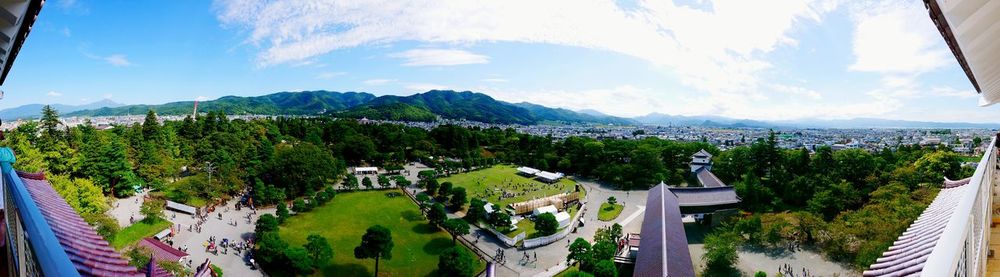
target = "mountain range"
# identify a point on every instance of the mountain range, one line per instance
(435, 104)
(35, 110)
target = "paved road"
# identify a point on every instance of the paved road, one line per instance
(232, 264)
(124, 208)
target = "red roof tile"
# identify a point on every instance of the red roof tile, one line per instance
(88, 251)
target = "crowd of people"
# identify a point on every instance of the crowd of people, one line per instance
(510, 189)
(788, 270)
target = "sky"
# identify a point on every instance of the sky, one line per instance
(765, 60)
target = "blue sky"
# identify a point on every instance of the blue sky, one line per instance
(743, 59)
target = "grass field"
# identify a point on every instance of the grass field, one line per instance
(344, 220)
(135, 232)
(504, 178)
(609, 211)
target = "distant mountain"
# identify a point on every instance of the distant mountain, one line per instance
(882, 123)
(704, 121)
(35, 110)
(290, 103)
(856, 123)
(470, 106)
(563, 115)
(592, 112)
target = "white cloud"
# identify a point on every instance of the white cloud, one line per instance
(117, 60)
(495, 80)
(66, 32)
(659, 32)
(54, 94)
(896, 38)
(378, 82)
(796, 91)
(423, 87)
(107, 96)
(202, 98)
(329, 75)
(440, 57)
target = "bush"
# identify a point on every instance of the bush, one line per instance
(605, 268)
(299, 260)
(299, 206)
(282, 212)
(720, 250)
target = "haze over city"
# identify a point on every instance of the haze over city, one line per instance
(739, 59)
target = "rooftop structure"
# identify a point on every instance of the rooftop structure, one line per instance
(701, 160)
(16, 19)
(46, 236)
(171, 205)
(705, 200)
(911, 250)
(952, 237)
(366, 170)
(663, 249)
(549, 177)
(969, 27)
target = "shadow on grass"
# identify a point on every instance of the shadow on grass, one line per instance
(352, 269)
(433, 273)
(425, 228)
(411, 215)
(438, 245)
(393, 194)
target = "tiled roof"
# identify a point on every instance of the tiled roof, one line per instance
(910, 251)
(88, 251)
(709, 180)
(161, 250)
(664, 249)
(707, 196)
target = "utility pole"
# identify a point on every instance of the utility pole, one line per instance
(209, 168)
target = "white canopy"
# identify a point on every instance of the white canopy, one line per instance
(527, 170)
(550, 176)
(563, 219)
(363, 170)
(171, 205)
(547, 209)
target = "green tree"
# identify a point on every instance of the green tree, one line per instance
(282, 212)
(152, 209)
(50, 125)
(476, 212)
(432, 186)
(445, 188)
(270, 248)
(299, 260)
(605, 268)
(456, 261)
(266, 223)
(500, 220)
(319, 249)
(457, 227)
(612, 200)
(139, 256)
(436, 215)
(303, 167)
(720, 250)
(367, 182)
(375, 244)
(546, 224)
(604, 250)
(458, 198)
(580, 251)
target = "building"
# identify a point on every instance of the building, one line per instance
(663, 248)
(701, 159)
(549, 177)
(366, 170)
(957, 234)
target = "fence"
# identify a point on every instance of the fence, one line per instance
(509, 241)
(536, 242)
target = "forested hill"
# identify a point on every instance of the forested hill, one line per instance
(426, 106)
(289, 103)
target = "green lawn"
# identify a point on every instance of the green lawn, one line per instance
(141, 229)
(482, 184)
(344, 220)
(609, 211)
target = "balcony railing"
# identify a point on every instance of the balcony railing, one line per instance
(961, 250)
(32, 247)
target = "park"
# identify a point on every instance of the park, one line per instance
(343, 221)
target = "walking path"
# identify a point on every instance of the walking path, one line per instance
(632, 216)
(124, 208)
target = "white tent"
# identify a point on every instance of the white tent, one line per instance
(550, 177)
(524, 170)
(547, 209)
(171, 205)
(366, 170)
(563, 218)
(488, 208)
